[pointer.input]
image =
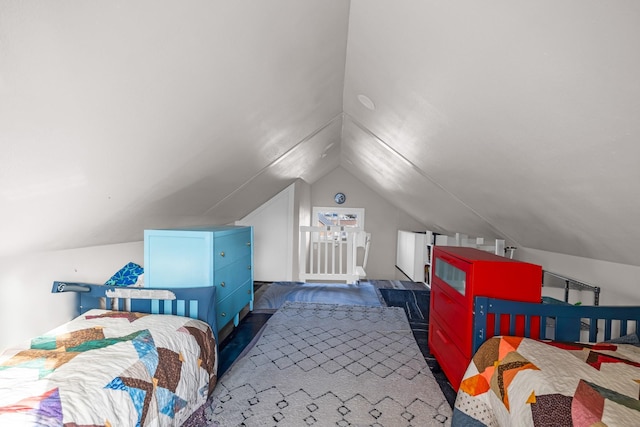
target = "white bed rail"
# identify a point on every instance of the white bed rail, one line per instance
(330, 253)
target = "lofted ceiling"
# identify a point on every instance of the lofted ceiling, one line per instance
(503, 118)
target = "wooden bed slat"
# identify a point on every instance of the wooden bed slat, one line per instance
(593, 331)
(607, 329)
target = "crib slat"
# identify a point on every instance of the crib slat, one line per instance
(607, 329)
(543, 327)
(527, 326)
(339, 241)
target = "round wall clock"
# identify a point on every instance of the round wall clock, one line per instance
(340, 198)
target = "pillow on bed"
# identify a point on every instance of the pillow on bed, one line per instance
(126, 276)
(626, 339)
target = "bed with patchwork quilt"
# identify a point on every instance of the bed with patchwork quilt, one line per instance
(110, 368)
(516, 381)
(539, 364)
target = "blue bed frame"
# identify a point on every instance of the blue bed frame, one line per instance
(567, 320)
(196, 303)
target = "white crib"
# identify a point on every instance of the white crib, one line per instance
(330, 254)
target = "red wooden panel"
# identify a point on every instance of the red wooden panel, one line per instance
(451, 360)
(486, 274)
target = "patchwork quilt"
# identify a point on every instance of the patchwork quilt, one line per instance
(515, 381)
(108, 368)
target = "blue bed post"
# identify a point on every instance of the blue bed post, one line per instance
(480, 309)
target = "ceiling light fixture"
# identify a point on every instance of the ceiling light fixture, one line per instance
(367, 102)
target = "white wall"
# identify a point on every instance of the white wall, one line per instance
(273, 228)
(302, 216)
(382, 219)
(619, 283)
(276, 238)
(27, 306)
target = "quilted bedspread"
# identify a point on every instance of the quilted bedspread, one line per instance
(108, 368)
(515, 381)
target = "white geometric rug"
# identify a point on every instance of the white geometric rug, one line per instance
(331, 365)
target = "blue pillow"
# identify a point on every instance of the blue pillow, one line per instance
(126, 276)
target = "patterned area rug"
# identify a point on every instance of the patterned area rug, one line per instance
(416, 306)
(329, 364)
(278, 293)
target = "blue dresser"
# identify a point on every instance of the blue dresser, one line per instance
(204, 256)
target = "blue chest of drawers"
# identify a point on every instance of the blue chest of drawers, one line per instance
(204, 256)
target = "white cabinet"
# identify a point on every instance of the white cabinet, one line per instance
(414, 254)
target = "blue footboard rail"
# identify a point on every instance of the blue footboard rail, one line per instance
(560, 322)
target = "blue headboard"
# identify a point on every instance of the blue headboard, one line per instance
(196, 303)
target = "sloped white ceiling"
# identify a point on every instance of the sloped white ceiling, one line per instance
(513, 119)
(121, 115)
(524, 115)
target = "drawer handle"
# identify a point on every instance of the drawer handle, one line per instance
(442, 336)
(222, 284)
(248, 243)
(248, 267)
(249, 292)
(223, 314)
(222, 253)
